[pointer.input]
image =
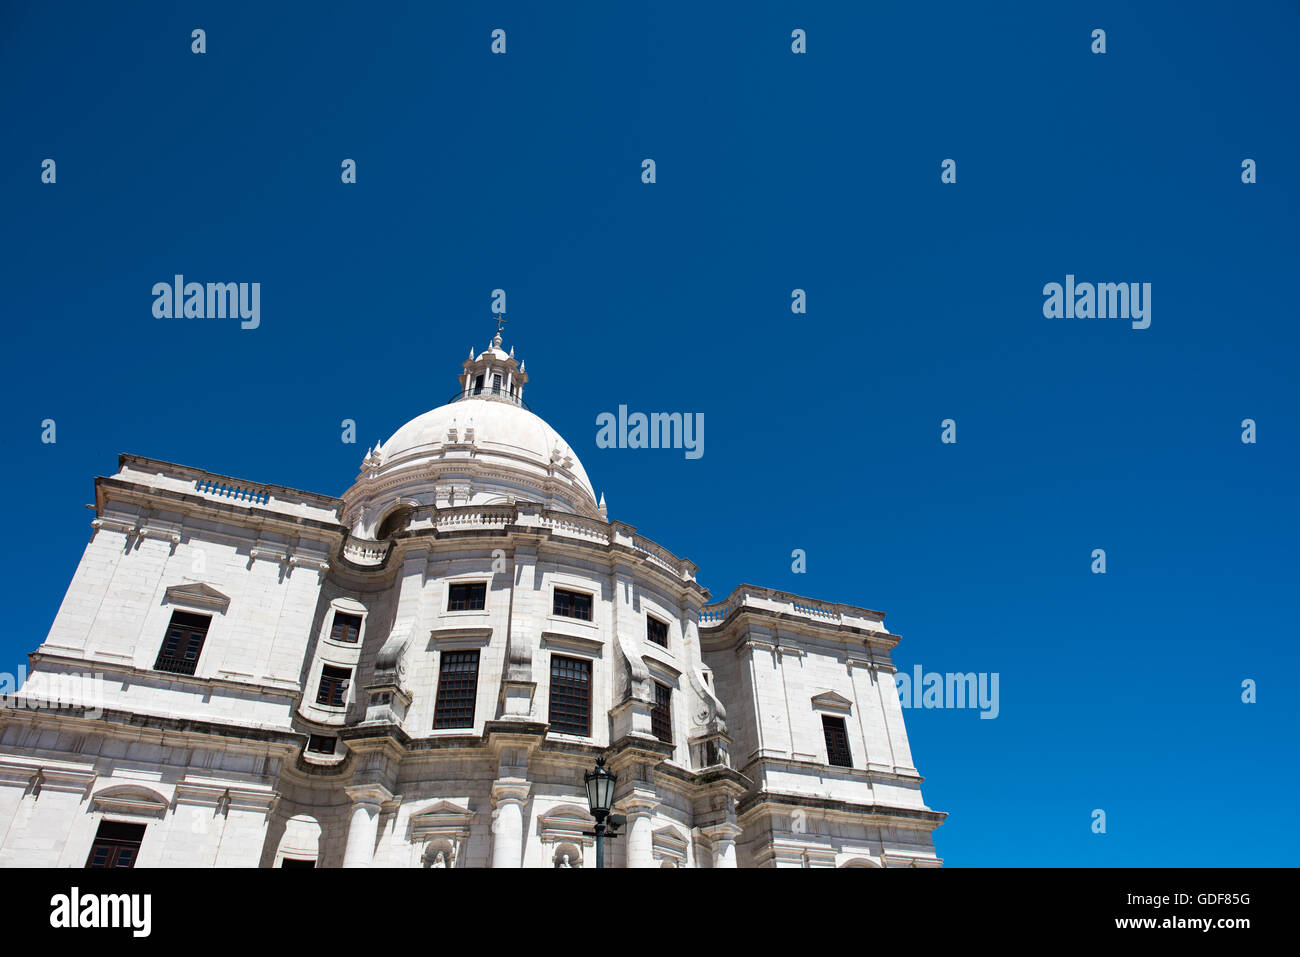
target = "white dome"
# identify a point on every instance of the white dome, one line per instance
(474, 451)
(482, 448)
(504, 435)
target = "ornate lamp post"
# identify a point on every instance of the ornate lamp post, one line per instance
(600, 795)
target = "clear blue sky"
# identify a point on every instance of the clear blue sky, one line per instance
(775, 172)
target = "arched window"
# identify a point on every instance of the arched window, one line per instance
(396, 521)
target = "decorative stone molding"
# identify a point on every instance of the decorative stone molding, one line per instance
(830, 701)
(566, 823)
(224, 797)
(130, 799)
(199, 595)
(670, 844)
(442, 819)
(582, 645)
(445, 638)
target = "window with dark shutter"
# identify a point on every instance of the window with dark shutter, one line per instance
(333, 686)
(661, 714)
(466, 596)
(837, 742)
(656, 630)
(572, 604)
(570, 695)
(346, 627)
(116, 845)
(320, 744)
(183, 643)
(457, 689)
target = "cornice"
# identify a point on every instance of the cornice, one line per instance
(765, 801)
(147, 676)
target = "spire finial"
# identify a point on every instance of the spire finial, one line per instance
(500, 321)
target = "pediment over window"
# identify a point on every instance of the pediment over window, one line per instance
(130, 799)
(444, 819)
(668, 843)
(197, 595)
(830, 701)
(567, 822)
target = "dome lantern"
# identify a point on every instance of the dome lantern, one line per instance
(493, 374)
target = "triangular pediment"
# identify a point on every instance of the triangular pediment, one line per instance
(441, 819)
(197, 595)
(830, 701)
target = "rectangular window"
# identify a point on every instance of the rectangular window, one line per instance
(572, 604)
(319, 744)
(466, 596)
(457, 689)
(346, 627)
(333, 688)
(570, 695)
(180, 649)
(661, 714)
(656, 630)
(837, 742)
(297, 862)
(116, 845)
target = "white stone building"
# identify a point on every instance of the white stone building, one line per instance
(419, 672)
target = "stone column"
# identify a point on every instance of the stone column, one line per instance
(363, 829)
(722, 838)
(640, 836)
(508, 797)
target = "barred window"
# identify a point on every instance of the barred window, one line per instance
(346, 627)
(320, 744)
(661, 713)
(837, 742)
(656, 630)
(466, 596)
(457, 689)
(116, 845)
(183, 643)
(570, 695)
(333, 689)
(572, 604)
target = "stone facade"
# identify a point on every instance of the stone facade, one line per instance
(245, 754)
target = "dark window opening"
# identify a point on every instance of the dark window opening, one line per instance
(656, 630)
(320, 744)
(333, 688)
(570, 695)
(572, 604)
(395, 521)
(837, 742)
(297, 862)
(457, 689)
(661, 713)
(467, 596)
(183, 643)
(116, 845)
(346, 627)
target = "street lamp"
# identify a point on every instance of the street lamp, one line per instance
(600, 795)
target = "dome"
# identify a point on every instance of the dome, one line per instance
(503, 436)
(484, 447)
